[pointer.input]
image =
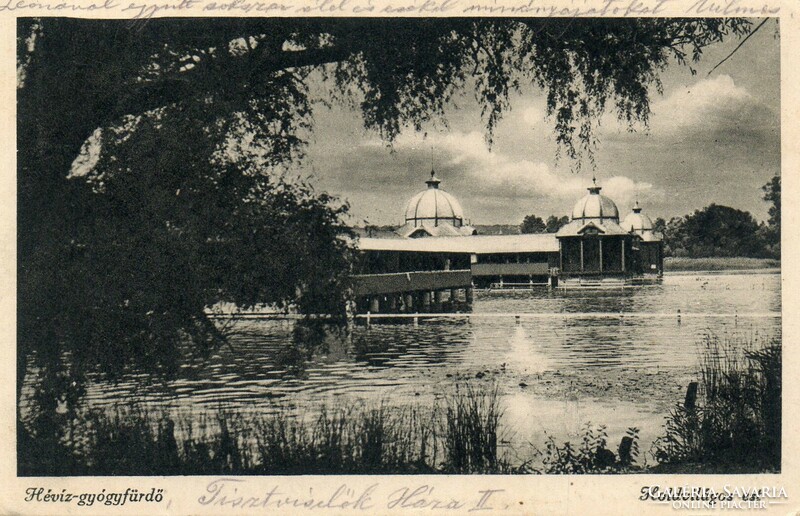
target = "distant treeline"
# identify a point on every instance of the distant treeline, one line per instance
(534, 224)
(719, 231)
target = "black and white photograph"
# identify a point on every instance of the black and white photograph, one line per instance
(428, 246)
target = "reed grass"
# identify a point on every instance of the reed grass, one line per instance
(460, 436)
(736, 424)
(471, 433)
(719, 263)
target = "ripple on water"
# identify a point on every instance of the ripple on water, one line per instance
(575, 370)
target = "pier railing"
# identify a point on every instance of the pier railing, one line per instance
(571, 315)
(394, 283)
(510, 269)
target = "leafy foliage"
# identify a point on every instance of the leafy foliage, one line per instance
(554, 223)
(660, 226)
(592, 455)
(460, 437)
(532, 224)
(715, 231)
(720, 231)
(772, 233)
(772, 193)
(472, 419)
(150, 158)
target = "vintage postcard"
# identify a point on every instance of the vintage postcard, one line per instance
(389, 257)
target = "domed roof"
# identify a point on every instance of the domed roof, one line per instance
(595, 206)
(433, 206)
(637, 221)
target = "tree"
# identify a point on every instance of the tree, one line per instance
(772, 233)
(165, 220)
(772, 193)
(177, 200)
(555, 223)
(532, 224)
(672, 237)
(714, 231)
(660, 225)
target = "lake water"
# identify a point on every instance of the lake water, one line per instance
(554, 373)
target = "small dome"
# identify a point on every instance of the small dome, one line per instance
(433, 206)
(636, 221)
(595, 206)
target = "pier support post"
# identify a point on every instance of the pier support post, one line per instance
(468, 294)
(350, 310)
(426, 300)
(408, 299)
(437, 300)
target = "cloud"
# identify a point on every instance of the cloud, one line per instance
(711, 105)
(534, 115)
(624, 191)
(499, 175)
(710, 109)
(495, 174)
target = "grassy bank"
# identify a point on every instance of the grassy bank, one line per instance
(719, 264)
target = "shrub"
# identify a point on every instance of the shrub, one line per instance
(593, 455)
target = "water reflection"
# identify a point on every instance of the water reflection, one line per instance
(555, 374)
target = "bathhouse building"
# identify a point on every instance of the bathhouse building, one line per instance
(436, 250)
(649, 246)
(593, 243)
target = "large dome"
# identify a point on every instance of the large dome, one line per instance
(433, 206)
(636, 221)
(434, 212)
(594, 206)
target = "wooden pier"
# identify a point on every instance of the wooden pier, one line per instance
(408, 292)
(400, 282)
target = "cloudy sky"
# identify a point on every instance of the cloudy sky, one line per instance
(712, 139)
